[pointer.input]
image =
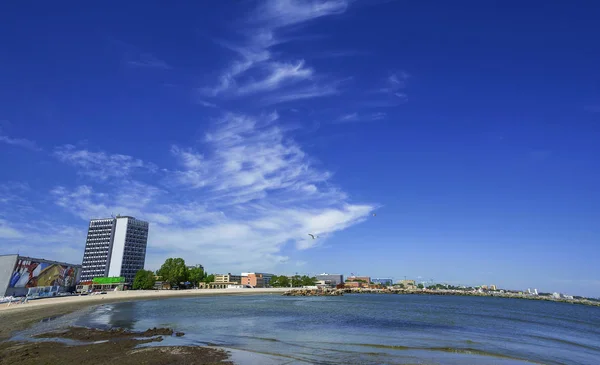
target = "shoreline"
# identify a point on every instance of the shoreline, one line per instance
(120, 343)
(17, 317)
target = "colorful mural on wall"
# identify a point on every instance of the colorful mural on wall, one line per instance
(30, 274)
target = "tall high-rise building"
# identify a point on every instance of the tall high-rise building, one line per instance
(115, 247)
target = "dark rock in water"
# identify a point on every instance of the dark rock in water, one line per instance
(313, 292)
(303, 292)
(157, 332)
(179, 334)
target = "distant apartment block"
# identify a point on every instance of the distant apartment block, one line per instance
(364, 279)
(228, 279)
(382, 281)
(331, 279)
(406, 283)
(255, 280)
(115, 247)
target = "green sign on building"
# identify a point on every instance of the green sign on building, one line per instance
(109, 280)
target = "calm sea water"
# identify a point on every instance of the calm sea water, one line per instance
(370, 329)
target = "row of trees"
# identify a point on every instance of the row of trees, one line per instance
(283, 281)
(173, 271)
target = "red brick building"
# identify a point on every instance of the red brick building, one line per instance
(254, 279)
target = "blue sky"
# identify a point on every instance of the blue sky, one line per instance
(236, 129)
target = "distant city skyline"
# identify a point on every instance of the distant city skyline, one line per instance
(414, 139)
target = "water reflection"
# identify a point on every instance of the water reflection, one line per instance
(107, 316)
(371, 329)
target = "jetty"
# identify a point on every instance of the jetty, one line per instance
(307, 292)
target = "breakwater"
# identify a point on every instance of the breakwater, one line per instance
(337, 292)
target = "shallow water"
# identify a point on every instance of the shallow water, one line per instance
(368, 329)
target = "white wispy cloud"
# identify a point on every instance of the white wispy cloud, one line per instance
(10, 192)
(245, 196)
(235, 205)
(257, 69)
(20, 142)
(44, 239)
(310, 92)
(246, 158)
(100, 164)
(378, 116)
(278, 75)
(281, 13)
(148, 60)
(394, 82)
(352, 117)
(356, 117)
(37, 235)
(206, 103)
(339, 53)
(389, 92)
(8, 232)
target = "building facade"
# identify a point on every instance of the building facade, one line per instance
(255, 280)
(115, 247)
(197, 266)
(331, 279)
(382, 281)
(362, 279)
(20, 276)
(407, 283)
(227, 279)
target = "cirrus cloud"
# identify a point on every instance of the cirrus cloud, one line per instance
(236, 201)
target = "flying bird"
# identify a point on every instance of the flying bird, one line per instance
(374, 215)
(313, 236)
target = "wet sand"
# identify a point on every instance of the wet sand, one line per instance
(118, 346)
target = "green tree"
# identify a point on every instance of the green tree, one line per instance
(308, 281)
(420, 286)
(173, 271)
(296, 281)
(275, 283)
(281, 281)
(144, 280)
(195, 275)
(209, 278)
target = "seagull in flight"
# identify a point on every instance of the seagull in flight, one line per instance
(313, 236)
